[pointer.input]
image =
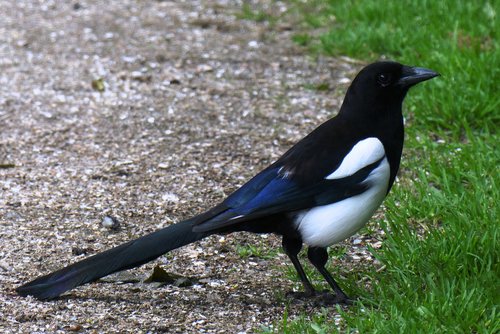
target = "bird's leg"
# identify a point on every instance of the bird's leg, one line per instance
(318, 257)
(292, 247)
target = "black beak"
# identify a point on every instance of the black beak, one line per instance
(413, 75)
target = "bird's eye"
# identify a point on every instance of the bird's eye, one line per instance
(384, 79)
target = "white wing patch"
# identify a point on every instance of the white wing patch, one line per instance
(326, 225)
(362, 154)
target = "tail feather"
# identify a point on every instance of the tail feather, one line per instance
(129, 255)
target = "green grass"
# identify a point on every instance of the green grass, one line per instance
(319, 323)
(456, 38)
(260, 251)
(247, 13)
(441, 250)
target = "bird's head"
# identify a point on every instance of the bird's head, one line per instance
(385, 84)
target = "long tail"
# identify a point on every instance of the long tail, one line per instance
(129, 255)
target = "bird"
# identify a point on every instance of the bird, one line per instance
(318, 193)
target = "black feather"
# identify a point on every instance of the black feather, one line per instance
(129, 255)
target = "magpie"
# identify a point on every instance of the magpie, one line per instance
(320, 192)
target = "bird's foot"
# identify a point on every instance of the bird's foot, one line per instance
(321, 298)
(326, 298)
(301, 294)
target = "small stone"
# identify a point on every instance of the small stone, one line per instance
(253, 44)
(357, 241)
(170, 197)
(74, 328)
(110, 222)
(80, 251)
(163, 165)
(4, 266)
(203, 68)
(140, 76)
(13, 216)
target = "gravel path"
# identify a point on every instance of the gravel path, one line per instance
(150, 112)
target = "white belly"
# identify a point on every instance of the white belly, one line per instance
(326, 225)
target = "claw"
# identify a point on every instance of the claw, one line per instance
(326, 298)
(323, 298)
(301, 294)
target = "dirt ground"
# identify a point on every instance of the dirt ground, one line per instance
(151, 112)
